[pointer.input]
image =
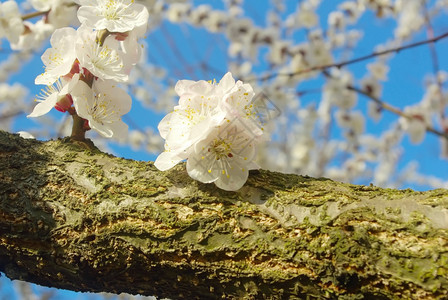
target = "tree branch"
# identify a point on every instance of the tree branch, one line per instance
(355, 60)
(87, 221)
(384, 105)
(34, 14)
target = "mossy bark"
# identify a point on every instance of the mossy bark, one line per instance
(87, 221)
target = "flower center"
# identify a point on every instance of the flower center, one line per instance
(220, 148)
(111, 10)
(103, 111)
(49, 90)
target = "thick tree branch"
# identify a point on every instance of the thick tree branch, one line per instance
(87, 221)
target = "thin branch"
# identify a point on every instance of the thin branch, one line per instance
(42, 13)
(158, 46)
(34, 14)
(434, 57)
(309, 91)
(352, 61)
(175, 49)
(395, 110)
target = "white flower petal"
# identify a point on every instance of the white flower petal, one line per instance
(44, 107)
(25, 135)
(233, 180)
(227, 82)
(198, 169)
(82, 99)
(166, 160)
(182, 86)
(59, 59)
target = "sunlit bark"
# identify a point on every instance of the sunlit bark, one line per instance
(87, 221)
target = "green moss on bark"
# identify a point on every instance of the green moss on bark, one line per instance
(84, 220)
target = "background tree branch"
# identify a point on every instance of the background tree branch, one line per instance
(87, 221)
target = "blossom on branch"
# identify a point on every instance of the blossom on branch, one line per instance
(224, 157)
(87, 63)
(113, 15)
(103, 61)
(214, 128)
(11, 24)
(56, 95)
(60, 57)
(102, 105)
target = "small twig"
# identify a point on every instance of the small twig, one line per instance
(42, 13)
(384, 105)
(434, 57)
(395, 110)
(310, 91)
(352, 61)
(78, 135)
(175, 49)
(78, 130)
(34, 14)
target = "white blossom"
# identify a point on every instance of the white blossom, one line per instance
(103, 61)
(25, 135)
(319, 50)
(34, 36)
(378, 70)
(59, 59)
(53, 94)
(60, 12)
(354, 121)
(410, 19)
(416, 123)
(371, 86)
(198, 113)
(352, 10)
(11, 24)
(113, 15)
(336, 20)
(103, 105)
(130, 51)
(215, 128)
(199, 14)
(63, 14)
(374, 110)
(224, 157)
(306, 16)
(336, 91)
(434, 100)
(44, 5)
(177, 12)
(216, 21)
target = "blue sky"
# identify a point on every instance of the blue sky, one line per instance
(404, 87)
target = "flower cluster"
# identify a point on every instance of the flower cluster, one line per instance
(11, 25)
(25, 35)
(216, 127)
(84, 66)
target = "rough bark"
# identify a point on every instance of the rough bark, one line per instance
(87, 221)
